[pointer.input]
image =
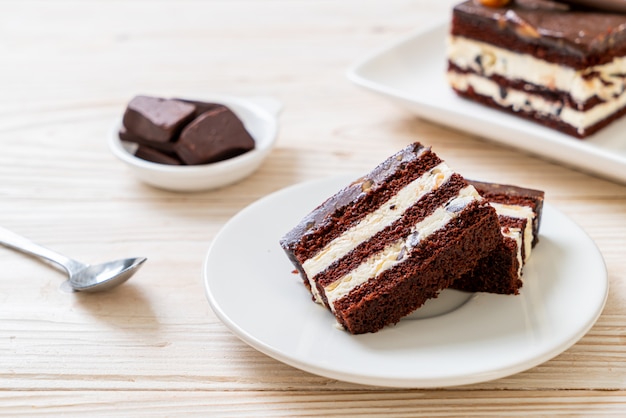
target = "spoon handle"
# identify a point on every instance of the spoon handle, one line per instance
(17, 242)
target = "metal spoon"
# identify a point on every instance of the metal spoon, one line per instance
(82, 277)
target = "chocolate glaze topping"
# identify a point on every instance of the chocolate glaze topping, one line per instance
(579, 30)
(514, 195)
(347, 196)
(609, 5)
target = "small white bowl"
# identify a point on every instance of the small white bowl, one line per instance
(260, 117)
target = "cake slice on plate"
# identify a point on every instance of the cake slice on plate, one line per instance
(519, 213)
(380, 247)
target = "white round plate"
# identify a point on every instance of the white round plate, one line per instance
(251, 287)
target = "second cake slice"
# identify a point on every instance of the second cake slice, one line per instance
(519, 211)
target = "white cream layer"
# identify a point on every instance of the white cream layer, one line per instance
(519, 212)
(521, 101)
(465, 53)
(516, 235)
(387, 214)
(398, 251)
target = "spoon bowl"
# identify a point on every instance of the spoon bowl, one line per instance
(104, 276)
(81, 277)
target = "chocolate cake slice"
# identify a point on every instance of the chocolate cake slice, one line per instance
(519, 213)
(561, 65)
(380, 247)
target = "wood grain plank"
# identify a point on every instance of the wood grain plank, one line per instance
(153, 346)
(317, 404)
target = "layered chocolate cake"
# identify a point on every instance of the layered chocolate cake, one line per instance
(559, 64)
(380, 247)
(519, 213)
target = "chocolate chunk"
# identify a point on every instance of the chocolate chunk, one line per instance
(213, 136)
(201, 107)
(156, 156)
(157, 119)
(126, 135)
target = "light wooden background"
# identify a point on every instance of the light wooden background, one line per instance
(153, 346)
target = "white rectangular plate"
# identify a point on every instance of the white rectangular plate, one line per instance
(412, 73)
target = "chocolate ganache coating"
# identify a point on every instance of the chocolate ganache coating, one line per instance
(356, 190)
(514, 195)
(610, 5)
(570, 29)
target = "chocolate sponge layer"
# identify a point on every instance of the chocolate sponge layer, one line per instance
(432, 267)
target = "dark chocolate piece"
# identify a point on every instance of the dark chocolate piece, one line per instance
(157, 119)
(156, 156)
(201, 107)
(213, 136)
(125, 135)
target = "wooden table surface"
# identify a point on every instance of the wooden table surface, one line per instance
(153, 346)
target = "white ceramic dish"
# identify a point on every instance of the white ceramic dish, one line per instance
(411, 72)
(259, 115)
(461, 338)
